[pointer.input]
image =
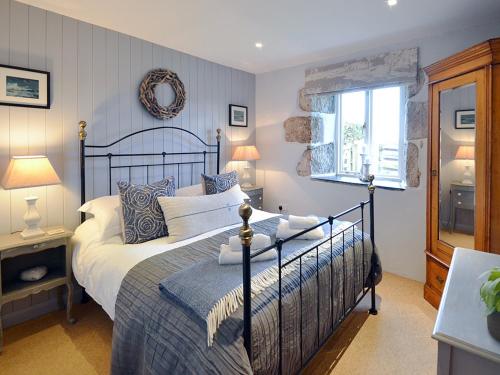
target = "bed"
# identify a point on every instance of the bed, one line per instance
(276, 326)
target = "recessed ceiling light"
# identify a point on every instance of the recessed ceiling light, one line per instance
(259, 45)
(391, 3)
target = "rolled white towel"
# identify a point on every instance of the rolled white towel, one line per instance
(259, 241)
(302, 222)
(284, 231)
(227, 256)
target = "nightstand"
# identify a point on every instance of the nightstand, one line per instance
(16, 255)
(256, 195)
(462, 198)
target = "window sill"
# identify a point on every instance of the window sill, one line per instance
(383, 184)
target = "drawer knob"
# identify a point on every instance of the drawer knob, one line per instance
(260, 198)
(439, 279)
(459, 202)
(459, 194)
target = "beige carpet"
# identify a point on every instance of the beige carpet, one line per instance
(397, 341)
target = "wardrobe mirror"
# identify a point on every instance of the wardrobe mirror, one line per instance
(457, 166)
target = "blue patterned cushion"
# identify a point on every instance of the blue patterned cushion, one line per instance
(220, 182)
(143, 218)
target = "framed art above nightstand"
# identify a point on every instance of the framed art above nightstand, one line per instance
(52, 250)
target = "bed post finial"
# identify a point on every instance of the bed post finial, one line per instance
(371, 186)
(246, 234)
(82, 132)
(219, 136)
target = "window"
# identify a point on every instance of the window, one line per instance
(371, 122)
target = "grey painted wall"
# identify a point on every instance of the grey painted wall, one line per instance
(400, 216)
(95, 75)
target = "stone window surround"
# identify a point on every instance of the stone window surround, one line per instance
(416, 118)
(322, 83)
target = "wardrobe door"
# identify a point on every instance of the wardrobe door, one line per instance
(458, 164)
(494, 209)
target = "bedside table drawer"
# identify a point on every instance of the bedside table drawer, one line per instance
(256, 202)
(463, 199)
(29, 249)
(256, 197)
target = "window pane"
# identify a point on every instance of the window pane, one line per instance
(386, 117)
(351, 127)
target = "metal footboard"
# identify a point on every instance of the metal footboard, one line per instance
(368, 275)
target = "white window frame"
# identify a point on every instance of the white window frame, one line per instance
(368, 135)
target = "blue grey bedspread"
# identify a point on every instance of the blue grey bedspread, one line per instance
(155, 335)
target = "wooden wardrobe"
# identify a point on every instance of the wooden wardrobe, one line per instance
(463, 188)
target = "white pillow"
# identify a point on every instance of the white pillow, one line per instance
(189, 191)
(187, 217)
(87, 232)
(107, 213)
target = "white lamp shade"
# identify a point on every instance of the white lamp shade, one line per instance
(465, 153)
(29, 171)
(245, 153)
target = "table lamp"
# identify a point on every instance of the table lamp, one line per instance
(466, 153)
(246, 153)
(25, 172)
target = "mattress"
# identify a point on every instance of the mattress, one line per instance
(101, 266)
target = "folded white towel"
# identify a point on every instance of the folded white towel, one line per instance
(302, 222)
(227, 256)
(284, 231)
(259, 241)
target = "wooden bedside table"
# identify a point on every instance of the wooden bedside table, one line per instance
(462, 198)
(16, 255)
(256, 195)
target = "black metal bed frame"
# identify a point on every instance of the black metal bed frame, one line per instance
(209, 149)
(246, 235)
(246, 232)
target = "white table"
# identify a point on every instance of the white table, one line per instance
(464, 344)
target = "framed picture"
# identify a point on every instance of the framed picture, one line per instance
(465, 119)
(238, 115)
(24, 87)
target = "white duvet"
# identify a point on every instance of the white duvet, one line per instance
(100, 267)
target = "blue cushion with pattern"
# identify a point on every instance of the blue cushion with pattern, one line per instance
(143, 218)
(220, 182)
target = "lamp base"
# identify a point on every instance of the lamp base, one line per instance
(467, 177)
(467, 181)
(246, 177)
(31, 233)
(32, 219)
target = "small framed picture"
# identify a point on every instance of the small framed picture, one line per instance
(465, 119)
(238, 115)
(24, 87)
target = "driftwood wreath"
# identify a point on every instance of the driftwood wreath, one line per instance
(147, 93)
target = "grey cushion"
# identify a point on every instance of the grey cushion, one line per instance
(219, 183)
(143, 218)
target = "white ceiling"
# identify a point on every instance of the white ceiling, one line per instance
(292, 31)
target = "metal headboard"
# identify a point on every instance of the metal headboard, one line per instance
(197, 155)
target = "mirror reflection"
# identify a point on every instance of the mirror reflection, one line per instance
(457, 162)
